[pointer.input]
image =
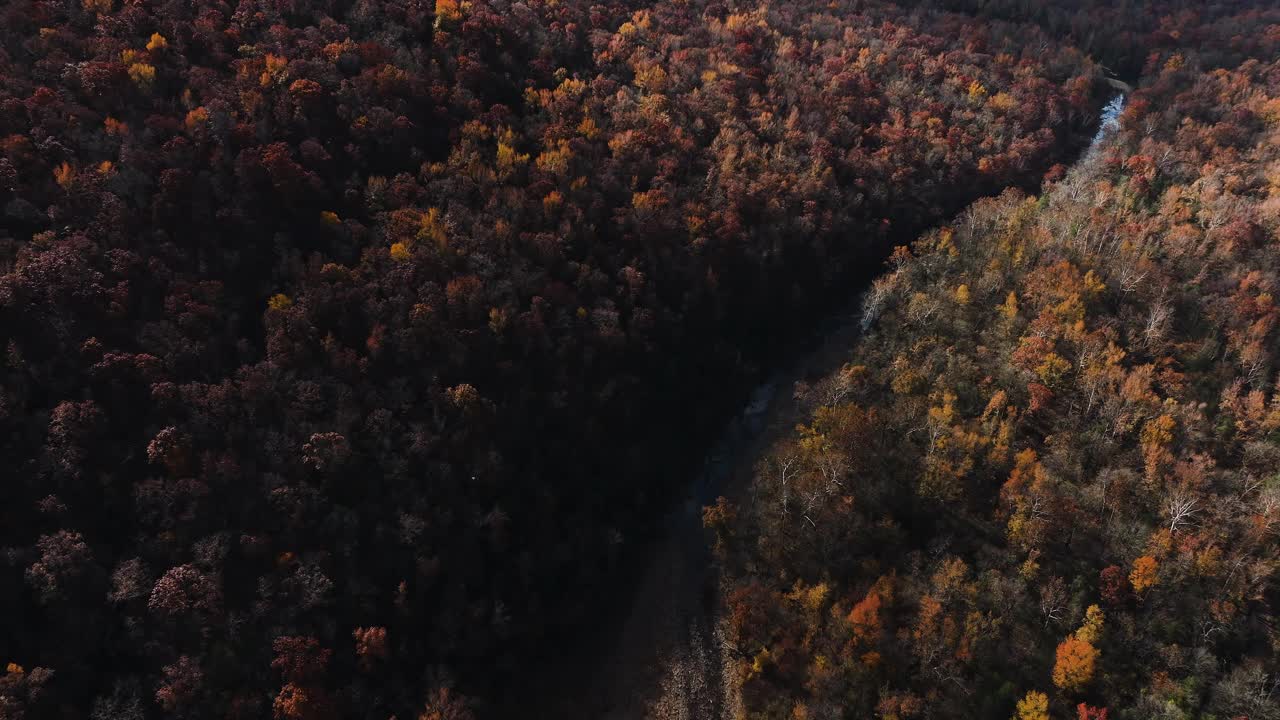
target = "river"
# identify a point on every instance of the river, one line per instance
(666, 658)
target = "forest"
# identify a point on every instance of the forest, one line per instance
(352, 347)
(1056, 450)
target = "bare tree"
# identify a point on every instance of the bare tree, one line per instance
(787, 468)
(1131, 277)
(874, 301)
(1180, 506)
(1269, 507)
(833, 465)
(1053, 600)
(1157, 321)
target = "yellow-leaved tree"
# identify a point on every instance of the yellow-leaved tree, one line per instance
(1091, 629)
(1035, 706)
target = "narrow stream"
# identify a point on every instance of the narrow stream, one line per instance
(670, 652)
(666, 660)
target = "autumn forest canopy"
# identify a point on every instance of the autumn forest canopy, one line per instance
(352, 350)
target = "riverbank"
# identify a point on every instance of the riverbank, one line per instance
(666, 658)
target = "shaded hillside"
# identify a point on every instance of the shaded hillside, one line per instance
(349, 345)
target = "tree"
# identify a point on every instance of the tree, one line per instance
(1091, 629)
(185, 589)
(1074, 663)
(1089, 712)
(65, 559)
(865, 619)
(295, 702)
(302, 662)
(1113, 585)
(1033, 706)
(182, 680)
(444, 704)
(1145, 573)
(371, 645)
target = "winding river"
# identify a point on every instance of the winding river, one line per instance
(665, 659)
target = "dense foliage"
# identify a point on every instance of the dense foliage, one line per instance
(1129, 36)
(1047, 482)
(345, 343)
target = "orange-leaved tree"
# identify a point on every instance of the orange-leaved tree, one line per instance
(1144, 574)
(1075, 662)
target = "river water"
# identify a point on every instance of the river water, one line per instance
(1110, 121)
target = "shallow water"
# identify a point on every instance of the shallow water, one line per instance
(1110, 121)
